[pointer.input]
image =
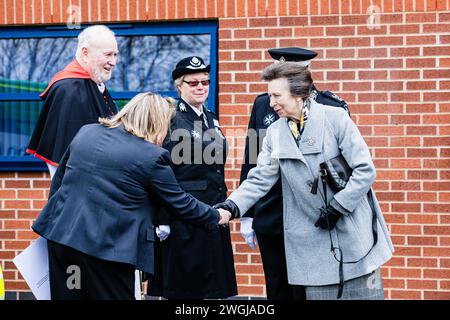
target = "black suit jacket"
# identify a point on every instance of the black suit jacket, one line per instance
(105, 193)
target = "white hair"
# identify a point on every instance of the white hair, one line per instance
(87, 37)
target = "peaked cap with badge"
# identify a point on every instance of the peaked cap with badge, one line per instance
(293, 54)
(188, 65)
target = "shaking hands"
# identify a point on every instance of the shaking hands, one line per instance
(228, 211)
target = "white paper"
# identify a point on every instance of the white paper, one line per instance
(32, 263)
(137, 285)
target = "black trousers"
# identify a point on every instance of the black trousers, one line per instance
(273, 258)
(75, 275)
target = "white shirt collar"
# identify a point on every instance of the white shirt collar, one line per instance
(196, 110)
(101, 87)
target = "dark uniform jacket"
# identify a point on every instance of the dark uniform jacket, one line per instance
(68, 105)
(105, 193)
(267, 213)
(197, 263)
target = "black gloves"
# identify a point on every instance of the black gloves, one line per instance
(328, 218)
(229, 206)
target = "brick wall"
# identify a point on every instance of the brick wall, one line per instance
(393, 69)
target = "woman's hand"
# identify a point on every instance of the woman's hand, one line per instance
(224, 216)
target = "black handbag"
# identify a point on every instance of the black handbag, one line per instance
(336, 173)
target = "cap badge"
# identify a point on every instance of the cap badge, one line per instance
(195, 62)
(282, 59)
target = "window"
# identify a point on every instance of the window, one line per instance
(30, 56)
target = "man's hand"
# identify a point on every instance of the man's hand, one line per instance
(163, 231)
(247, 232)
(328, 218)
(224, 216)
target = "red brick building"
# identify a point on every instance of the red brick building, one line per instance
(389, 59)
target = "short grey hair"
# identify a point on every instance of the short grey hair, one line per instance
(298, 77)
(88, 35)
(178, 81)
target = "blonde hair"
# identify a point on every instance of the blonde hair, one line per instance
(146, 116)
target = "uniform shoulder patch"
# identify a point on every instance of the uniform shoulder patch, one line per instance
(269, 119)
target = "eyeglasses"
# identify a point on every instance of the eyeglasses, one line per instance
(195, 83)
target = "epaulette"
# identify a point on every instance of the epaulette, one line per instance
(330, 98)
(212, 112)
(262, 95)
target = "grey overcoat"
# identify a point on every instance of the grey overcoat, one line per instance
(329, 130)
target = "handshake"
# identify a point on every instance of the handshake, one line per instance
(228, 210)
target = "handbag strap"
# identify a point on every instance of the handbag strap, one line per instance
(374, 225)
(323, 175)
